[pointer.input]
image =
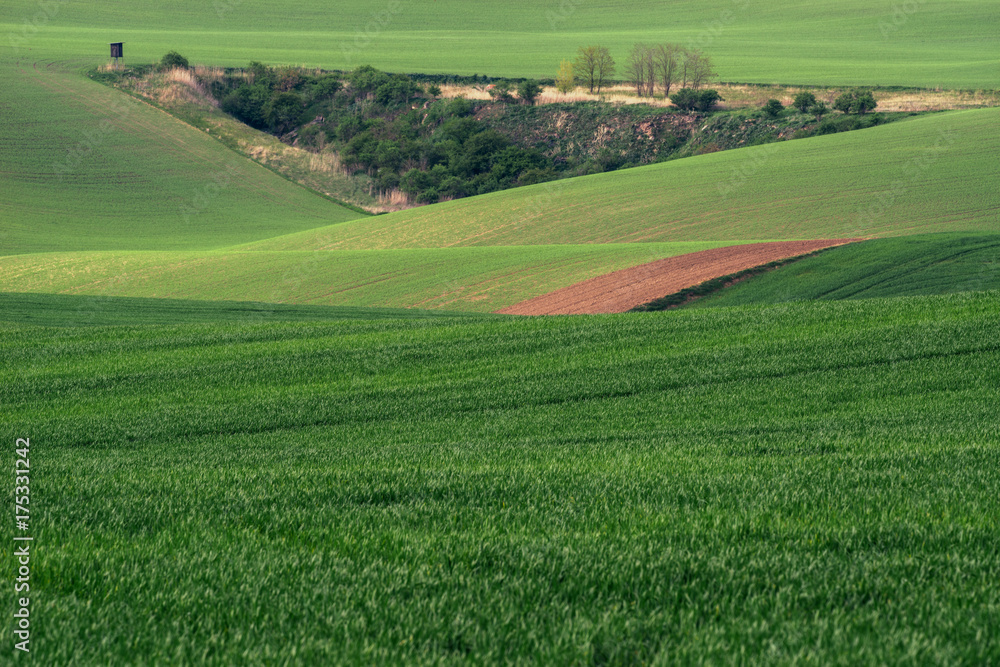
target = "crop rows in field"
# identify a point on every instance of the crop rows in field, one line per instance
(473, 279)
(931, 43)
(658, 487)
(906, 266)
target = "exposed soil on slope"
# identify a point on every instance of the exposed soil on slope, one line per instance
(623, 290)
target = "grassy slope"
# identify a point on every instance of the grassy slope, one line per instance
(951, 43)
(933, 173)
(69, 310)
(806, 482)
(86, 168)
(473, 279)
(916, 265)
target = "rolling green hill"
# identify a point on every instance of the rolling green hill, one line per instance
(466, 279)
(800, 483)
(87, 168)
(218, 478)
(951, 43)
(932, 173)
(907, 266)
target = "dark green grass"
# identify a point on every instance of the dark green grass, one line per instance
(811, 481)
(908, 266)
(73, 310)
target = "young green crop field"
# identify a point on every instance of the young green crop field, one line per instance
(85, 167)
(68, 310)
(932, 173)
(950, 43)
(809, 482)
(269, 429)
(906, 266)
(466, 279)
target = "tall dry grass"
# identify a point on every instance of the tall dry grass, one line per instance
(393, 199)
(209, 74)
(742, 96)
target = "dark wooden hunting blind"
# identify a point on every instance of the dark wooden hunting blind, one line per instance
(116, 50)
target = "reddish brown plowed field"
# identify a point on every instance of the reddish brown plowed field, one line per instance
(623, 290)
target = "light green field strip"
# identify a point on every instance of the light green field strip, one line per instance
(933, 173)
(466, 279)
(83, 167)
(951, 43)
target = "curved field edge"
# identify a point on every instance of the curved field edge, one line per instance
(628, 289)
(927, 174)
(86, 167)
(654, 487)
(464, 279)
(907, 266)
(847, 42)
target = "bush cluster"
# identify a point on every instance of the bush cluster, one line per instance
(689, 99)
(387, 126)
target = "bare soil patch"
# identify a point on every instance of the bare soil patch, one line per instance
(623, 290)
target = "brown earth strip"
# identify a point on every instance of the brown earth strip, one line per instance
(623, 290)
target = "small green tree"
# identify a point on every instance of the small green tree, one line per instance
(500, 92)
(707, 99)
(856, 101)
(804, 100)
(173, 60)
(819, 110)
(528, 90)
(864, 102)
(773, 108)
(565, 79)
(686, 99)
(434, 90)
(690, 99)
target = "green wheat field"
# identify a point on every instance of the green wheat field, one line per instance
(267, 428)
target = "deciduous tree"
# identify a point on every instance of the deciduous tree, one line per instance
(856, 101)
(698, 69)
(565, 80)
(642, 69)
(594, 66)
(666, 60)
(804, 100)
